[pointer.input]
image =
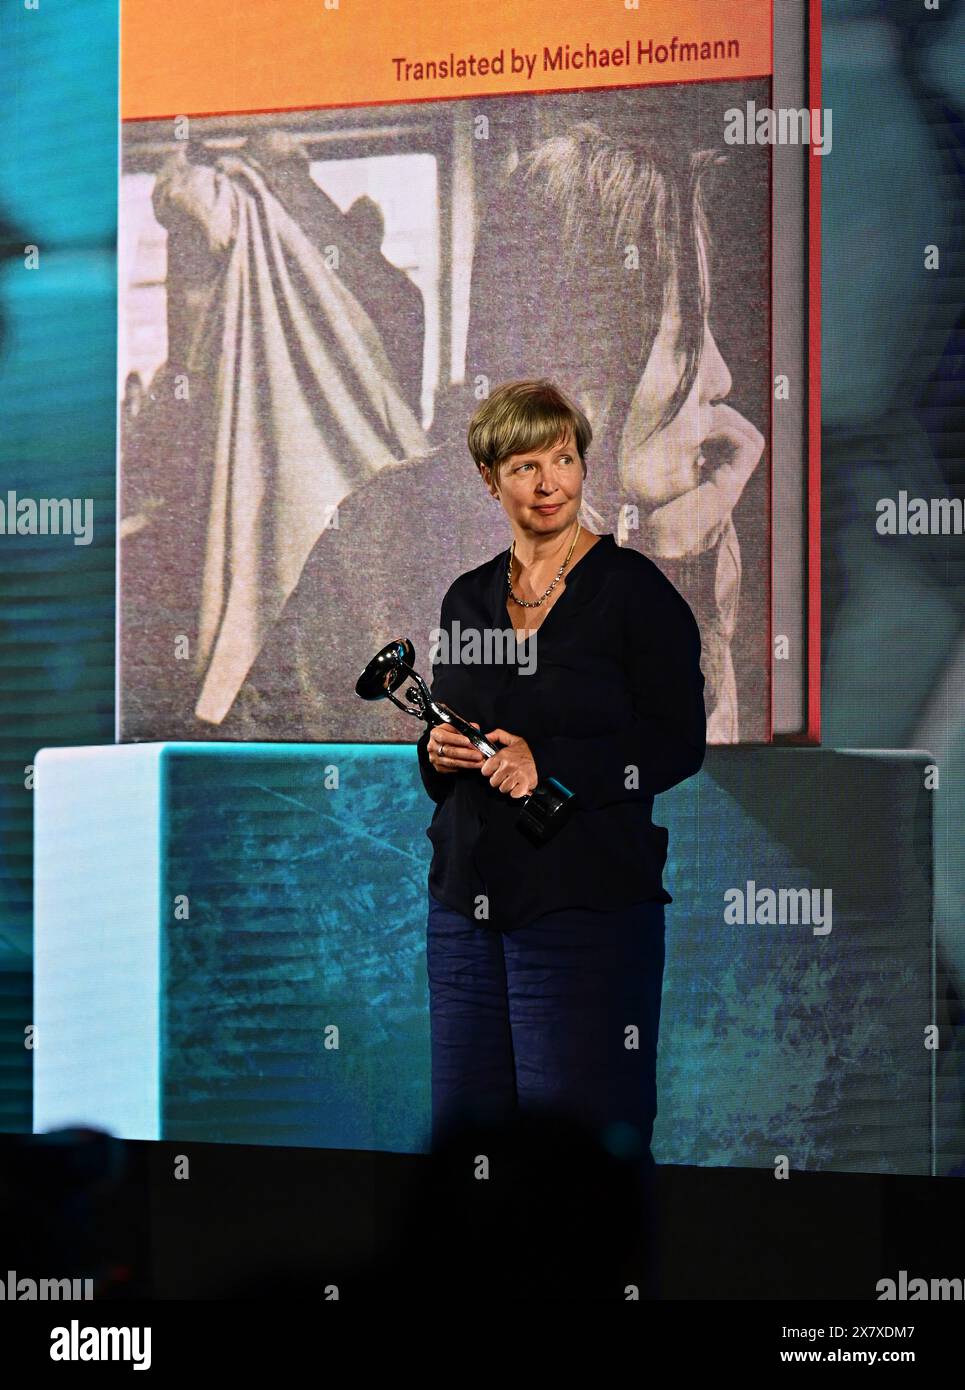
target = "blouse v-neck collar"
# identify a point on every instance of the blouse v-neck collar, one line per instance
(577, 582)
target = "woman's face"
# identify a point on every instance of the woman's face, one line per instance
(654, 468)
(541, 491)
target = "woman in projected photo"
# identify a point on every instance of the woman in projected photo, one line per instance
(593, 262)
(591, 268)
(545, 962)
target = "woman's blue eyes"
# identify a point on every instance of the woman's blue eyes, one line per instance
(565, 458)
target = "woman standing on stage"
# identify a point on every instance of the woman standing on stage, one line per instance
(545, 964)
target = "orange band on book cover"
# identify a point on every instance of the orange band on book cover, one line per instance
(200, 57)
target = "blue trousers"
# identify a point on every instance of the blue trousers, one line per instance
(562, 1013)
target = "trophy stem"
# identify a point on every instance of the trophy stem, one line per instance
(406, 709)
(542, 812)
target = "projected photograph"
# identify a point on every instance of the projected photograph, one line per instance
(312, 304)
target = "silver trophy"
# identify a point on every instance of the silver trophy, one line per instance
(543, 812)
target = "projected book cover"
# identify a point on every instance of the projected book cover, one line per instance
(334, 244)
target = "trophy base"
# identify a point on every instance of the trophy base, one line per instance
(545, 811)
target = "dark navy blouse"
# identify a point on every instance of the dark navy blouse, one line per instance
(609, 695)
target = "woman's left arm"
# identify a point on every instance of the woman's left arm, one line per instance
(665, 740)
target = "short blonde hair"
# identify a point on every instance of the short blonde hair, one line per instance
(521, 416)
